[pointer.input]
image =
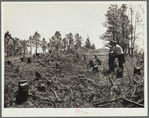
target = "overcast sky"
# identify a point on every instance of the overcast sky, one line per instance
(24, 19)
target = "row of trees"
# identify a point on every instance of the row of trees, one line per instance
(120, 27)
(15, 46)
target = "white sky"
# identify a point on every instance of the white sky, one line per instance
(24, 19)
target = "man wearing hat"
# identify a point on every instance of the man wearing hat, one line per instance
(115, 52)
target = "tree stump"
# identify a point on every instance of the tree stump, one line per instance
(77, 56)
(42, 88)
(22, 93)
(38, 76)
(9, 62)
(22, 59)
(29, 60)
(137, 71)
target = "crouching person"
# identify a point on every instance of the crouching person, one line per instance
(96, 62)
(95, 68)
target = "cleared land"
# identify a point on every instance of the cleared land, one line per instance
(75, 86)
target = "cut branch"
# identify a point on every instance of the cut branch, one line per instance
(55, 94)
(96, 104)
(140, 105)
(127, 92)
(133, 92)
(50, 102)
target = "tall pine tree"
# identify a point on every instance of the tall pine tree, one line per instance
(118, 26)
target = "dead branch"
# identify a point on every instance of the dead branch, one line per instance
(63, 97)
(71, 91)
(126, 92)
(133, 92)
(55, 94)
(41, 64)
(50, 102)
(96, 104)
(140, 101)
(34, 103)
(129, 75)
(110, 81)
(140, 105)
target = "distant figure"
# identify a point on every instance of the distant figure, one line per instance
(97, 61)
(95, 68)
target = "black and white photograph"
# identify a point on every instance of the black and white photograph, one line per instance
(74, 58)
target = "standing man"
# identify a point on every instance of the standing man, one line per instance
(115, 52)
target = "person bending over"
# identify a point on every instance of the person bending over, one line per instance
(115, 52)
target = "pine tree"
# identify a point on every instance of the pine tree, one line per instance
(36, 39)
(118, 26)
(88, 43)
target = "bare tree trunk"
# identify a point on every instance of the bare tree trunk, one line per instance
(36, 45)
(14, 50)
(17, 52)
(131, 33)
(30, 49)
(123, 34)
(24, 51)
(113, 25)
(6, 50)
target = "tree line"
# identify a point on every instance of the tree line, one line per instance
(16, 46)
(120, 28)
